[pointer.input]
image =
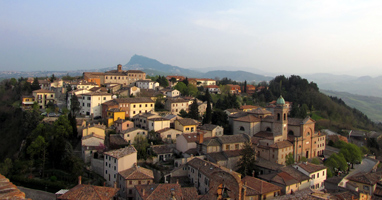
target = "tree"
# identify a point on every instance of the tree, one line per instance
(304, 159)
(352, 153)
(208, 117)
(185, 81)
(192, 90)
(247, 162)
(62, 127)
(141, 144)
(315, 161)
(183, 89)
(245, 86)
(39, 148)
(289, 160)
(194, 110)
(6, 167)
(74, 105)
(173, 80)
(52, 78)
(183, 113)
(35, 85)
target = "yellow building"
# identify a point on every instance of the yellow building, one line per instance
(113, 115)
(43, 97)
(186, 125)
(94, 129)
(27, 101)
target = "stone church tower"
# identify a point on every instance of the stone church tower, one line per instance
(280, 119)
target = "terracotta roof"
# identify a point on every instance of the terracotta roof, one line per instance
(211, 142)
(238, 114)
(137, 173)
(97, 94)
(216, 156)
(91, 192)
(264, 134)
(295, 173)
(167, 129)
(232, 153)
(159, 119)
(260, 111)
(192, 151)
(268, 164)
(190, 137)
(134, 71)
(208, 127)
(260, 186)
(231, 110)
(335, 180)
(162, 149)
(294, 121)
(281, 145)
(239, 138)
(311, 168)
(164, 192)
(118, 140)
(207, 168)
(42, 91)
(366, 178)
(248, 118)
(187, 121)
(119, 153)
(189, 193)
(248, 107)
(93, 135)
(8, 190)
(282, 178)
(135, 100)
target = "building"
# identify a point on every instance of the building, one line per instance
(85, 191)
(158, 123)
(131, 106)
(317, 174)
(234, 89)
(94, 129)
(27, 101)
(142, 120)
(113, 115)
(176, 105)
(91, 144)
(165, 192)
(172, 93)
(43, 97)
(115, 76)
(147, 84)
(90, 102)
(211, 130)
(129, 134)
(366, 182)
(9, 190)
(129, 178)
(258, 189)
(186, 125)
(278, 135)
(122, 124)
(118, 160)
(186, 141)
(162, 152)
(168, 134)
(82, 85)
(212, 89)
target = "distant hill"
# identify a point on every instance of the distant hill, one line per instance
(371, 106)
(237, 75)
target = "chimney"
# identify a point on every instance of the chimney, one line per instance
(200, 138)
(115, 184)
(104, 184)
(177, 181)
(79, 180)
(143, 192)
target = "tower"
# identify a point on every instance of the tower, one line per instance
(280, 119)
(119, 68)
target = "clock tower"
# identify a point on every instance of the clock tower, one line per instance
(280, 119)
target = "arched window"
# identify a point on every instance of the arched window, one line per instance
(269, 129)
(284, 116)
(242, 128)
(290, 133)
(278, 116)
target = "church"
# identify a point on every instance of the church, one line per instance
(275, 135)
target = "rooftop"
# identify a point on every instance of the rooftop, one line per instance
(119, 153)
(137, 173)
(187, 121)
(311, 168)
(259, 186)
(90, 192)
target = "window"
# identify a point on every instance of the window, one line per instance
(88, 98)
(139, 182)
(115, 168)
(323, 173)
(106, 171)
(146, 105)
(106, 164)
(130, 191)
(227, 147)
(130, 182)
(313, 176)
(242, 128)
(104, 98)
(318, 175)
(237, 146)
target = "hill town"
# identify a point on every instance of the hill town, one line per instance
(123, 134)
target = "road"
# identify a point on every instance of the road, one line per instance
(366, 166)
(37, 194)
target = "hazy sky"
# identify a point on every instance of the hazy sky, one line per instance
(342, 37)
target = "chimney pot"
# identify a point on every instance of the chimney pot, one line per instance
(79, 180)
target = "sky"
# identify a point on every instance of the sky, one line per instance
(290, 37)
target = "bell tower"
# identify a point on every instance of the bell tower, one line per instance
(119, 68)
(280, 119)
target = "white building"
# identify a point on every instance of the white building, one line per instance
(90, 103)
(147, 84)
(116, 161)
(317, 174)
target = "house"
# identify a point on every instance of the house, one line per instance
(164, 192)
(115, 76)
(43, 97)
(152, 94)
(234, 89)
(129, 178)
(289, 179)
(122, 124)
(168, 134)
(267, 149)
(113, 115)
(90, 103)
(176, 105)
(91, 144)
(258, 189)
(116, 141)
(129, 134)
(82, 85)
(211, 130)
(366, 182)
(94, 129)
(142, 120)
(147, 84)
(118, 160)
(186, 125)
(214, 89)
(205, 82)
(317, 174)
(44, 84)
(131, 106)
(127, 91)
(27, 101)
(186, 141)
(162, 152)
(85, 191)
(158, 123)
(171, 93)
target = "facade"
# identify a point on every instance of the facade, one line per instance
(317, 174)
(214, 89)
(186, 141)
(131, 106)
(82, 85)
(147, 84)
(158, 123)
(131, 177)
(186, 125)
(116, 161)
(113, 115)
(27, 101)
(168, 134)
(90, 103)
(259, 189)
(94, 129)
(211, 130)
(129, 134)
(90, 145)
(122, 124)
(43, 97)
(176, 105)
(234, 89)
(366, 182)
(142, 120)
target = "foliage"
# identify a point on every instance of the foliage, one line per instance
(182, 87)
(315, 161)
(220, 118)
(183, 114)
(5, 167)
(162, 81)
(289, 160)
(208, 117)
(194, 110)
(52, 78)
(351, 152)
(336, 162)
(304, 159)
(246, 164)
(75, 105)
(141, 144)
(35, 84)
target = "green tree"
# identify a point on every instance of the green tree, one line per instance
(183, 113)
(52, 78)
(304, 159)
(245, 86)
(192, 90)
(352, 153)
(207, 119)
(194, 110)
(38, 148)
(141, 144)
(183, 89)
(173, 80)
(246, 164)
(35, 85)
(315, 161)
(185, 81)
(75, 105)
(289, 160)
(6, 166)
(62, 127)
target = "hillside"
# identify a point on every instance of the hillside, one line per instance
(371, 106)
(237, 75)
